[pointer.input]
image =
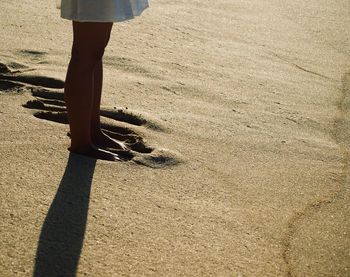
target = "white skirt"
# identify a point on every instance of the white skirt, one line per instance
(102, 10)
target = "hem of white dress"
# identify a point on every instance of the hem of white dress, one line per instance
(103, 20)
(97, 20)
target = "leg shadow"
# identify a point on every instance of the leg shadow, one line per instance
(62, 234)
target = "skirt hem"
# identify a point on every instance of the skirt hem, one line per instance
(85, 15)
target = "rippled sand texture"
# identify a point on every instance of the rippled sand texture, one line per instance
(237, 113)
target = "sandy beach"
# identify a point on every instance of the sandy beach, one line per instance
(238, 113)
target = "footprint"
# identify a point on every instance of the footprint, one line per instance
(32, 80)
(159, 159)
(47, 94)
(10, 86)
(121, 115)
(53, 109)
(34, 53)
(11, 79)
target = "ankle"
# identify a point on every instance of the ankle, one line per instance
(95, 133)
(95, 126)
(81, 147)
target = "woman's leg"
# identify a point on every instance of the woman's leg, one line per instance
(89, 42)
(99, 138)
(95, 114)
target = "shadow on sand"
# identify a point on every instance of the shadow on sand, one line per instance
(63, 231)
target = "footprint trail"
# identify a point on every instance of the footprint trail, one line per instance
(48, 104)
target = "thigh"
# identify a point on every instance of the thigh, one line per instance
(91, 36)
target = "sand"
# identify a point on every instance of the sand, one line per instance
(238, 112)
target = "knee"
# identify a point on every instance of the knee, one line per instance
(86, 57)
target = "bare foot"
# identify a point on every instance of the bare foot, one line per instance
(96, 153)
(127, 138)
(104, 141)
